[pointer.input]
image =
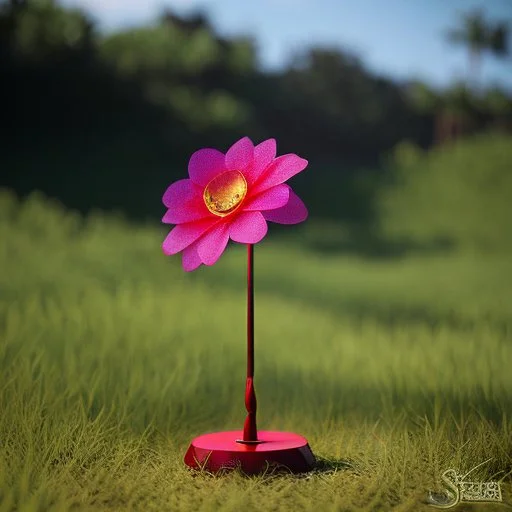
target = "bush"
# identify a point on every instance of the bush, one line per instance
(460, 193)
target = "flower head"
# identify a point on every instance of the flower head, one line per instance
(230, 196)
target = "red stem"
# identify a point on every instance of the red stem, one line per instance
(250, 430)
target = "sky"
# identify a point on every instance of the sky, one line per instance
(400, 39)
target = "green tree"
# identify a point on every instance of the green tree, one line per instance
(497, 106)
(184, 67)
(42, 29)
(480, 35)
(454, 111)
(343, 108)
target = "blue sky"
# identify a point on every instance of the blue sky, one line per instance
(397, 38)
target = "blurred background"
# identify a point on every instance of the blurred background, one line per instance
(105, 100)
(390, 307)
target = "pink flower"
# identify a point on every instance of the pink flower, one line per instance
(230, 196)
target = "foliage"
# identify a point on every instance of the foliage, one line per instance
(348, 110)
(460, 194)
(136, 103)
(45, 29)
(130, 107)
(480, 35)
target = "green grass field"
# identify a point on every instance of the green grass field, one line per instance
(112, 359)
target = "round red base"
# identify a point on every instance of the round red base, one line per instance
(220, 450)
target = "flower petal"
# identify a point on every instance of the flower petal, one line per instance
(177, 192)
(270, 199)
(191, 259)
(282, 169)
(204, 165)
(183, 235)
(293, 212)
(240, 155)
(248, 228)
(186, 213)
(185, 203)
(264, 154)
(213, 243)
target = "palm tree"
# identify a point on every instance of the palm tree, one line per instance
(479, 35)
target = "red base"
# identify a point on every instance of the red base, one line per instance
(220, 450)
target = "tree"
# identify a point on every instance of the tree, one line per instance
(480, 35)
(454, 111)
(497, 105)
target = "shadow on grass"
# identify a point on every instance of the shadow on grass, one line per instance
(325, 465)
(389, 314)
(345, 216)
(371, 245)
(365, 240)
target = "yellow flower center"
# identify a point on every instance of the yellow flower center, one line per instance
(225, 192)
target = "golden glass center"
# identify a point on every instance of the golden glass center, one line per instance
(224, 194)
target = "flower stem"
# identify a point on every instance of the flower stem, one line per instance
(250, 430)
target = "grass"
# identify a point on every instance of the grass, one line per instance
(112, 359)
